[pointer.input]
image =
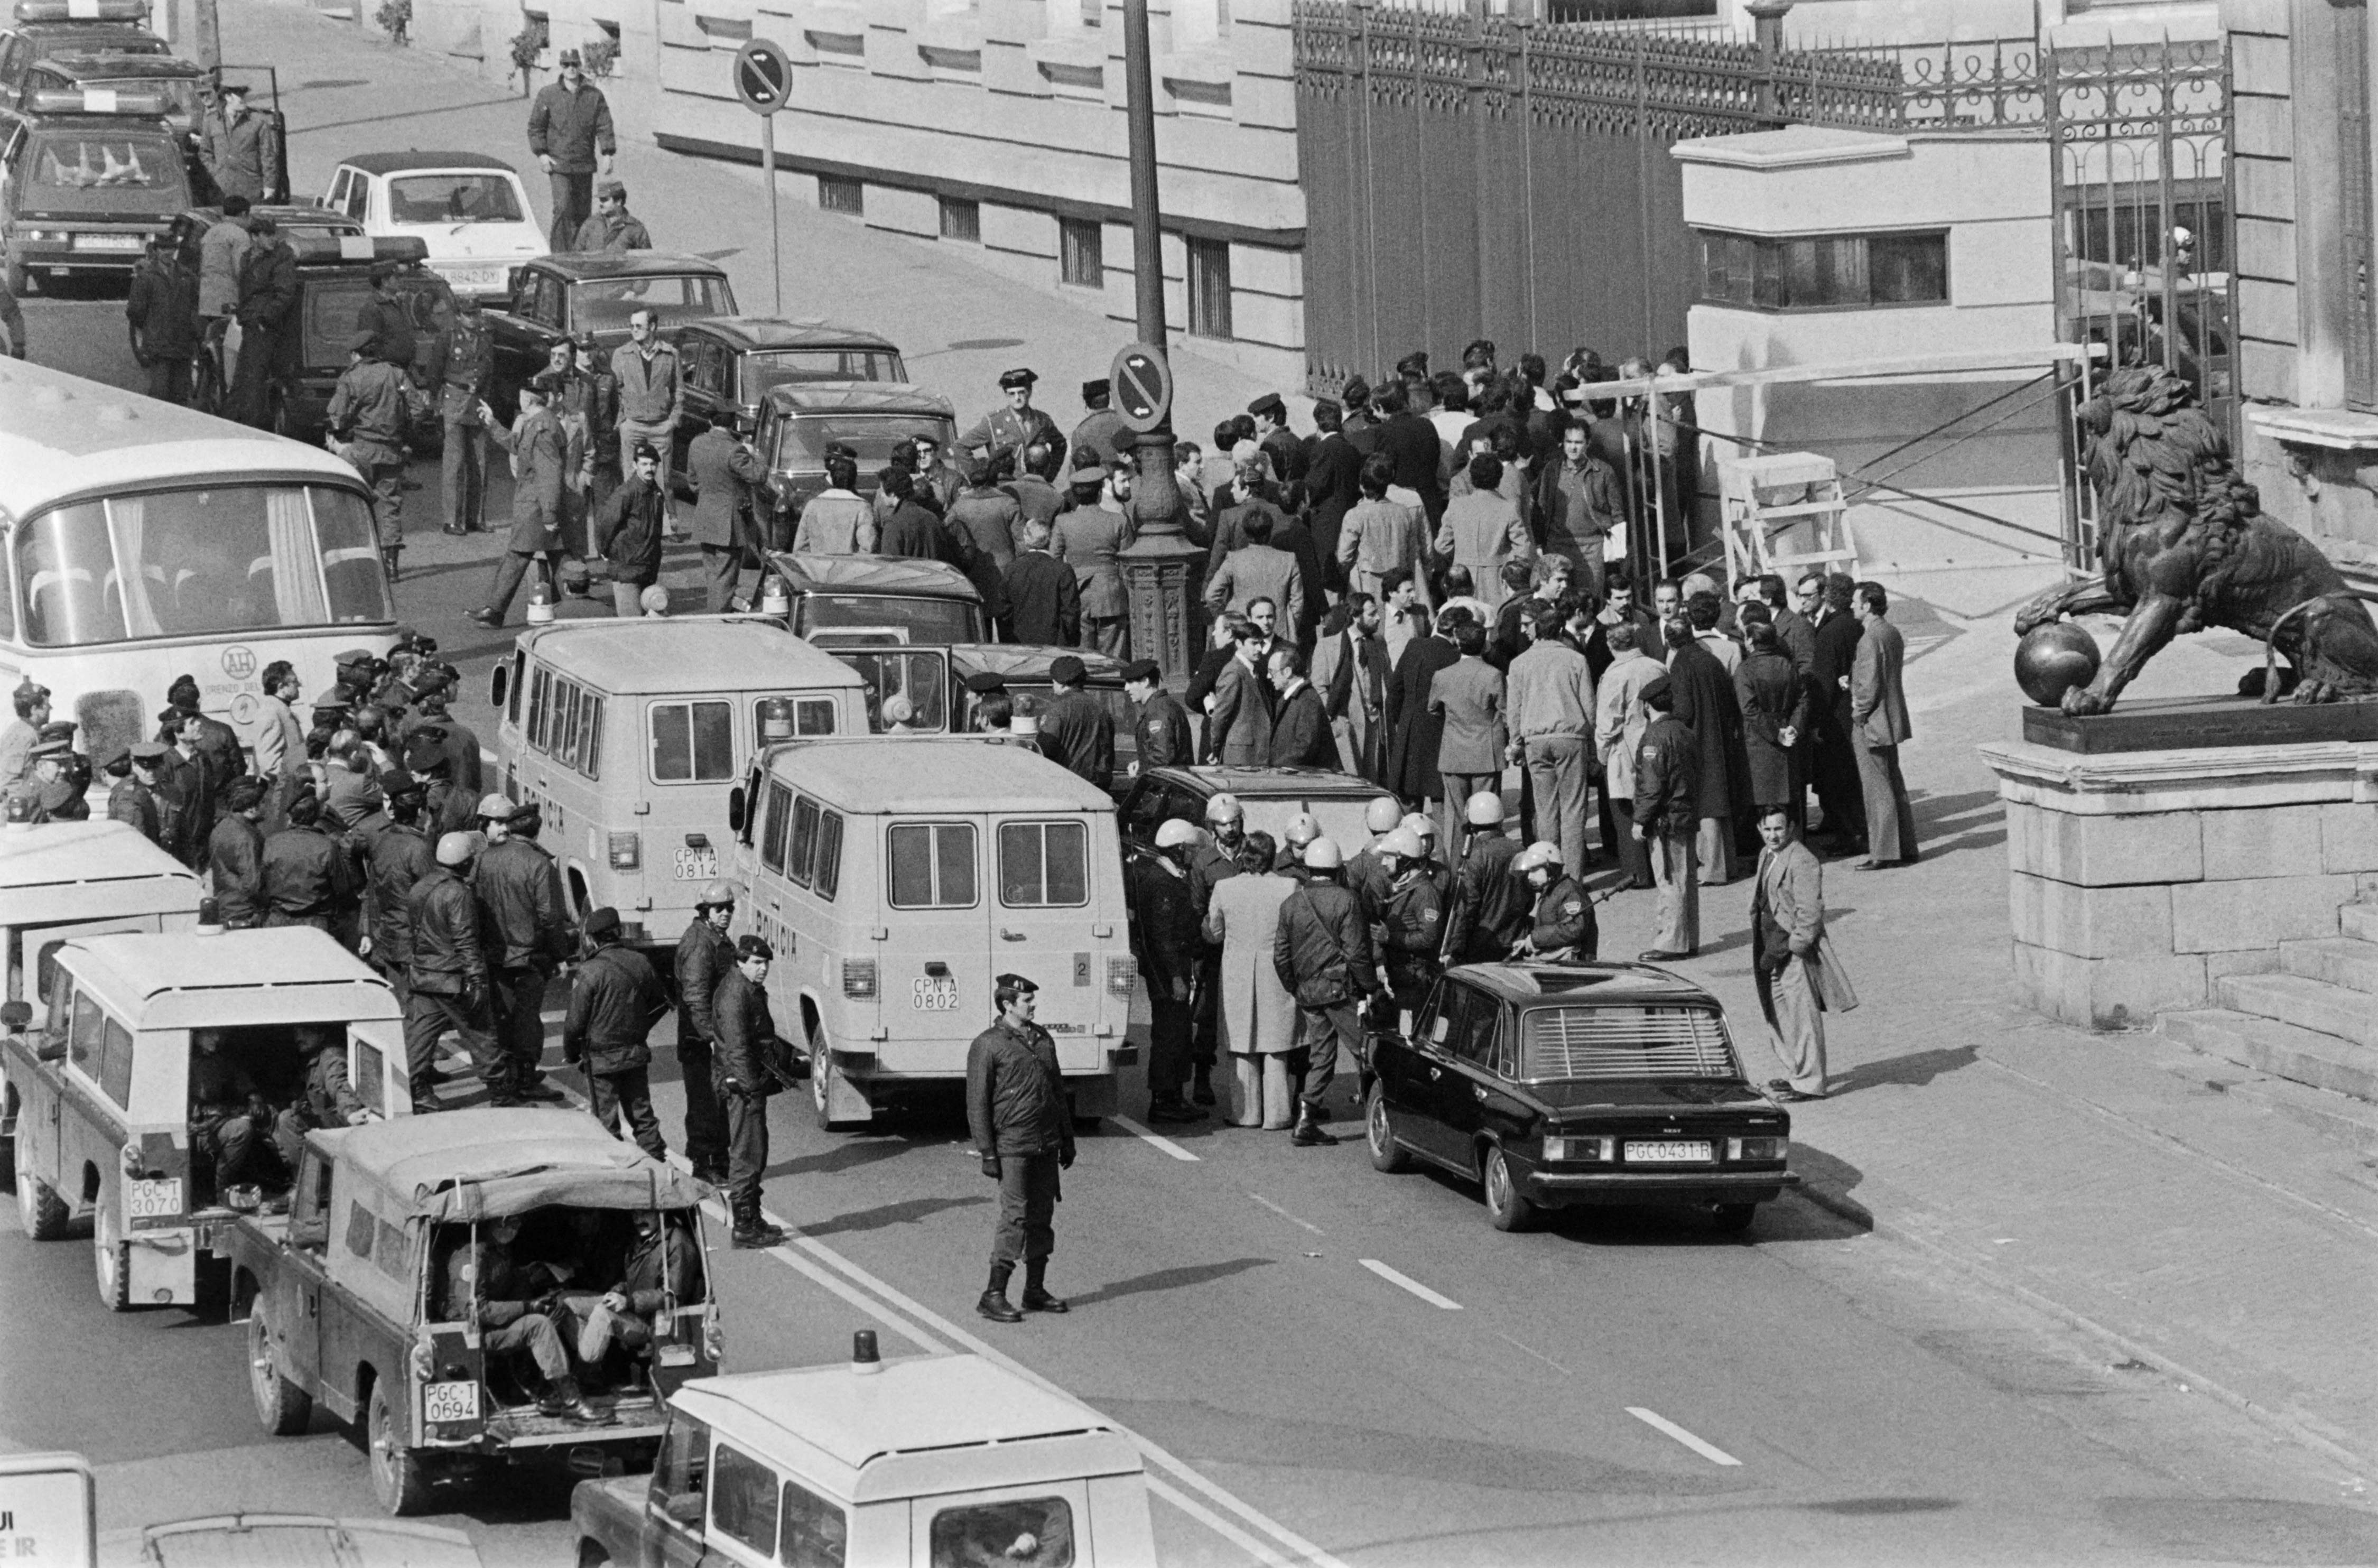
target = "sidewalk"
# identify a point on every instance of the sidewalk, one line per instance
(2191, 1217)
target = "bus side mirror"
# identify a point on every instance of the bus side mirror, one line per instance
(499, 680)
(735, 810)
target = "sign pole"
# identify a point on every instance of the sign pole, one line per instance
(762, 76)
(775, 229)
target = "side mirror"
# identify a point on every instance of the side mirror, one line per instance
(1438, 1028)
(735, 810)
(51, 1050)
(684, 1508)
(499, 682)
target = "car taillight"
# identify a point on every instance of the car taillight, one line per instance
(1121, 969)
(626, 852)
(1580, 1149)
(714, 1340)
(424, 1360)
(1761, 1149)
(859, 977)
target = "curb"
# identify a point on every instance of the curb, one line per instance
(2292, 1429)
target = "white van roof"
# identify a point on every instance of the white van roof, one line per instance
(65, 871)
(277, 974)
(932, 773)
(668, 655)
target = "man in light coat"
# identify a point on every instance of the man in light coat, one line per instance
(238, 149)
(1482, 529)
(1257, 570)
(1799, 978)
(1352, 670)
(837, 520)
(1549, 693)
(651, 384)
(1466, 697)
(1877, 726)
(1256, 1016)
(1379, 534)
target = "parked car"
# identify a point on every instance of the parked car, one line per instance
(182, 84)
(470, 210)
(852, 601)
(46, 28)
(1271, 797)
(943, 1459)
(555, 297)
(85, 180)
(799, 421)
(731, 363)
(1554, 1084)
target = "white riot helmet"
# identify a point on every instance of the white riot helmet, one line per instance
(1224, 807)
(1175, 833)
(1535, 855)
(1382, 815)
(1484, 809)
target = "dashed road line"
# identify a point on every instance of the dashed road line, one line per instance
(1157, 1139)
(1660, 1423)
(1407, 1283)
(1537, 1354)
(1283, 1213)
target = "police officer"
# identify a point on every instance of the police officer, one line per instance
(614, 999)
(458, 742)
(134, 797)
(1160, 730)
(1322, 953)
(450, 969)
(1365, 867)
(366, 421)
(325, 1099)
(1562, 924)
(236, 854)
(458, 371)
(1490, 904)
(1409, 928)
(1214, 861)
(447, 806)
(306, 877)
(705, 954)
(746, 1035)
(397, 856)
(1014, 428)
(1303, 829)
(528, 938)
(1024, 1130)
(1423, 826)
(1164, 938)
(48, 792)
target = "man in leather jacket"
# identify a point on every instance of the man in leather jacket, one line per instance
(705, 954)
(739, 1011)
(1024, 1130)
(614, 999)
(450, 971)
(527, 936)
(1323, 947)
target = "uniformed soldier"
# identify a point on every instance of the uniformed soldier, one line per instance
(1408, 929)
(747, 1035)
(705, 954)
(1075, 728)
(32, 705)
(306, 876)
(1322, 953)
(1490, 903)
(447, 806)
(449, 986)
(615, 1000)
(396, 857)
(457, 741)
(366, 423)
(385, 319)
(134, 797)
(456, 370)
(1024, 1129)
(236, 854)
(1161, 732)
(1101, 430)
(1215, 859)
(1165, 939)
(527, 934)
(1433, 865)
(1562, 925)
(325, 1099)
(1014, 428)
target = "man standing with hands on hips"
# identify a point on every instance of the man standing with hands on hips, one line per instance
(1015, 1107)
(570, 131)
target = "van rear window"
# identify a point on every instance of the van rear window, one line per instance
(932, 866)
(692, 741)
(116, 1065)
(829, 856)
(772, 832)
(1043, 864)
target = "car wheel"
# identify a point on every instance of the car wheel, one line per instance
(821, 1088)
(281, 1406)
(39, 1210)
(1379, 1132)
(1506, 1208)
(1733, 1217)
(111, 1261)
(398, 1479)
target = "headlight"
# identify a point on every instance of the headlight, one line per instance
(1759, 1149)
(1573, 1148)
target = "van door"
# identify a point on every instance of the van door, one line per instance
(1046, 1522)
(376, 1067)
(937, 962)
(1043, 927)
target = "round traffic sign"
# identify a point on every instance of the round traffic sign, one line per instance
(1142, 382)
(763, 77)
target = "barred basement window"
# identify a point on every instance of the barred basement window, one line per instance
(836, 195)
(1209, 287)
(1081, 252)
(961, 220)
(1825, 271)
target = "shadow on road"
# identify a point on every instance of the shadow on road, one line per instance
(1827, 1182)
(1914, 1069)
(843, 1157)
(1170, 1279)
(907, 1211)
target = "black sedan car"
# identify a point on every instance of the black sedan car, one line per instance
(567, 296)
(1271, 798)
(1554, 1084)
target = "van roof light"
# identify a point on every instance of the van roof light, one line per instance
(82, 10)
(112, 101)
(863, 1356)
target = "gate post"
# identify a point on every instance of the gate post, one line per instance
(1767, 29)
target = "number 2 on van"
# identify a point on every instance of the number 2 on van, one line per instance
(934, 993)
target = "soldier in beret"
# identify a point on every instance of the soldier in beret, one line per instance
(48, 792)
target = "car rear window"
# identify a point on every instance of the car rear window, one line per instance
(1043, 864)
(925, 619)
(693, 742)
(107, 160)
(1612, 1042)
(921, 677)
(598, 303)
(452, 198)
(1024, 1532)
(932, 866)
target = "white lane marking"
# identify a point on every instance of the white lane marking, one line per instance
(1162, 1142)
(1407, 1283)
(1658, 1422)
(898, 1324)
(1216, 1523)
(1525, 1351)
(1283, 1213)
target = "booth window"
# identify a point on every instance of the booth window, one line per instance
(1825, 271)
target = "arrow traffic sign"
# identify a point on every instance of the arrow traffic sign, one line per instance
(1142, 383)
(763, 77)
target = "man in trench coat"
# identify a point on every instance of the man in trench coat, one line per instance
(1799, 978)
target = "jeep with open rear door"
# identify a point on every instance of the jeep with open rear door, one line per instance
(367, 1296)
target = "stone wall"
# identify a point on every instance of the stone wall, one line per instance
(2136, 881)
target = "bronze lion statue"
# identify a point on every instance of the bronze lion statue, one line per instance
(2185, 546)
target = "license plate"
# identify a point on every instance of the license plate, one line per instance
(449, 1402)
(475, 277)
(107, 242)
(934, 993)
(156, 1199)
(696, 865)
(1690, 1152)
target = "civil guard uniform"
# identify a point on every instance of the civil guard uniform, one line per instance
(1012, 430)
(1024, 1130)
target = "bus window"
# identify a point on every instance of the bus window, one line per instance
(538, 707)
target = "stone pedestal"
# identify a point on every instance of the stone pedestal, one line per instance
(2137, 880)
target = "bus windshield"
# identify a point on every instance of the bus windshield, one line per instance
(175, 563)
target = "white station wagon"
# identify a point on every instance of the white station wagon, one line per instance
(471, 210)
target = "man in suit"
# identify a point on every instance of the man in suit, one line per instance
(1038, 602)
(1300, 736)
(1257, 570)
(1834, 766)
(1333, 472)
(1466, 697)
(1352, 670)
(1088, 539)
(1413, 730)
(722, 471)
(541, 455)
(1798, 977)
(1408, 443)
(1161, 730)
(1877, 726)
(1238, 725)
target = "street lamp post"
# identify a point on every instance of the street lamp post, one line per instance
(1162, 571)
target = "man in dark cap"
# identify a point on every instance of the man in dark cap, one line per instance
(460, 744)
(615, 1000)
(1282, 445)
(366, 421)
(747, 1040)
(48, 792)
(307, 878)
(446, 807)
(458, 367)
(570, 131)
(1075, 728)
(397, 856)
(543, 456)
(1024, 1130)
(1101, 430)
(134, 797)
(612, 227)
(236, 854)
(526, 926)
(1160, 733)
(1014, 428)
(705, 954)
(384, 317)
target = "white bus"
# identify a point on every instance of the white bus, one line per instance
(144, 541)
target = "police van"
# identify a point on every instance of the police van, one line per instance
(104, 1128)
(627, 734)
(894, 878)
(144, 541)
(87, 177)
